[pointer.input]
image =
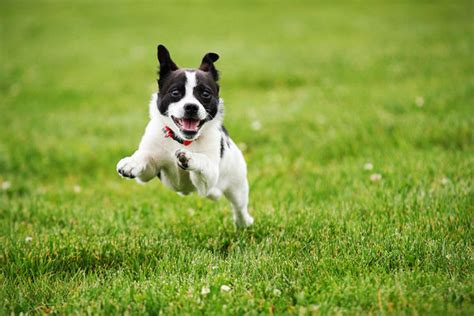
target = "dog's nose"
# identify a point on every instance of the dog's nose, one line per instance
(191, 108)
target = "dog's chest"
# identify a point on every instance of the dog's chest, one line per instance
(177, 179)
(171, 175)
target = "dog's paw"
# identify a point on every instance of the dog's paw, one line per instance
(130, 168)
(243, 222)
(183, 159)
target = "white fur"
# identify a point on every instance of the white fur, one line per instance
(207, 173)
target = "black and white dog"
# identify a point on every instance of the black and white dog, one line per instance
(185, 143)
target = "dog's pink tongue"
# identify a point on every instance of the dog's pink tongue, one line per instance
(190, 125)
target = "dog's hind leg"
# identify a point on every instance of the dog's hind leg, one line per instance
(239, 197)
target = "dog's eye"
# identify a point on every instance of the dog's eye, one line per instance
(205, 95)
(175, 93)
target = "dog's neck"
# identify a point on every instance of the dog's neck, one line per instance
(170, 134)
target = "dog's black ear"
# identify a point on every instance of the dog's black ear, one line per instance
(166, 63)
(207, 64)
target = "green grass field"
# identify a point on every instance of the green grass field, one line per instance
(333, 88)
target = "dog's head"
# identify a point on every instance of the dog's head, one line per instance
(188, 99)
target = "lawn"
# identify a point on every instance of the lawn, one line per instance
(356, 121)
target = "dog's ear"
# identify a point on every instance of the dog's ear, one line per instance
(207, 64)
(167, 65)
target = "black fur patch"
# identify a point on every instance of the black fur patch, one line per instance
(174, 80)
(226, 134)
(222, 147)
(167, 65)
(207, 65)
(206, 84)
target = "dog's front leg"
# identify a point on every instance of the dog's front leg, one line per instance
(141, 165)
(204, 172)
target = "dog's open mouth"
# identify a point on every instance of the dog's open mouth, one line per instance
(188, 126)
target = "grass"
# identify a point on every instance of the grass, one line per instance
(334, 87)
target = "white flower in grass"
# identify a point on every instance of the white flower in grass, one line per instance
(28, 238)
(419, 101)
(256, 125)
(276, 292)
(6, 185)
(368, 166)
(189, 293)
(445, 181)
(205, 291)
(77, 188)
(313, 308)
(375, 177)
(225, 288)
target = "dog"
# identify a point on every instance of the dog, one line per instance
(185, 143)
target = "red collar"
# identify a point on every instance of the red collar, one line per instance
(169, 133)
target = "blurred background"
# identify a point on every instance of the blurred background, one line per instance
(321, 81)
(354, 117)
